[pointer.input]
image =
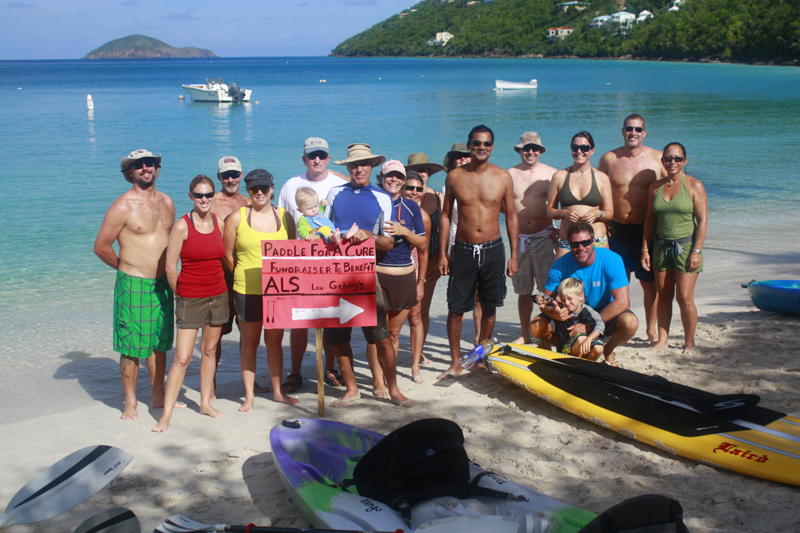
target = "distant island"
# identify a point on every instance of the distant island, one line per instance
(745, 31)
(142, 46)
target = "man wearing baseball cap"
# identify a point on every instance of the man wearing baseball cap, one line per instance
(530, 181)
(316, 156)
(140, 221)
(228, 199)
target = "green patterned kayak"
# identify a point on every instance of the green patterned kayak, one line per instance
(313, 456)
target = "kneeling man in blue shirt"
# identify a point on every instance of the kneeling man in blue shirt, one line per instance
(606, 286)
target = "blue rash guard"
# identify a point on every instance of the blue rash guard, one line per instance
(605, 274)
(369, 207)
(408, 214)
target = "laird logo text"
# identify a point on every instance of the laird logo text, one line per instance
(727, 447)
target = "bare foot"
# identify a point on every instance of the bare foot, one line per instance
(521, 340)
(415, 376)
(688, 351)
(161, 427)
(451, 372)
(401, 401)
(285, 398)
(348, 399)
(210, 411)
(179, 405)
(130, 412)
(246, 406)
(380, 394)
(425, 361)
(652, 336)
(659, 346)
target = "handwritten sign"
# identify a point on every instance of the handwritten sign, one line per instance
(313, 284)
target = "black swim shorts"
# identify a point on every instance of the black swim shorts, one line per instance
(626, 240)
(480, 267)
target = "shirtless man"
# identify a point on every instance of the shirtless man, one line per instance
(228, 199)
(140, 221)
(631, 169)
(483, 191)
(537, 235)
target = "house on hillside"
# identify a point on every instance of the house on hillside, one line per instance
(441, 38)
(559, 32)
(623, 18)
(574, 4)
(599, 21)
(644, 15)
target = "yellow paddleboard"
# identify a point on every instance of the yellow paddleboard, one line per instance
(728, 431)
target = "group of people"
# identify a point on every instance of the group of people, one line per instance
(637, 212)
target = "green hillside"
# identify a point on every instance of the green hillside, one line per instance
(727, 30)
(142, 46)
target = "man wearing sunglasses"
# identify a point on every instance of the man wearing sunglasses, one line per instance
(537, 235)
(316, 156)
(606, 288)
(228, 199)
(140, 221)
(482, 191)
(632, 168)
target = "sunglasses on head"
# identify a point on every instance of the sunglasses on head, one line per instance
(671, 158)
(144, 162)
(230, 175)
(414, 188)
(580, 147)
(319, 154)
(199, 195)
(476, 144)
(637, 129)
(259, 188)
(585, 244)
(531, 148)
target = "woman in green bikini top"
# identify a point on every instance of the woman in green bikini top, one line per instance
(676, 224)
(580, 192)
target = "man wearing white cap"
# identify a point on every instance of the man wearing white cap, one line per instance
(530, 180)
(228, 199)
(140, 221)
(316, 156)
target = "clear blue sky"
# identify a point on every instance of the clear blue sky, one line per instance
(66, 29)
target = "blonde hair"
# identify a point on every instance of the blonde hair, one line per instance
(571, 287)
(306, 196)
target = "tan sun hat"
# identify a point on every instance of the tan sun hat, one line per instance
(457, 150)
(139, 153)
(420, 162)
(529, 137)
(361, 152)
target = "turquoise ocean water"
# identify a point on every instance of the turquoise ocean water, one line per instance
(60, 171)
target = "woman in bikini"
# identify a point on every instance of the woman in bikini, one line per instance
(580, 192)
(244, 231)
(677, 216)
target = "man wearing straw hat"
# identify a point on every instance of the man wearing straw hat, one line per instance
(483, 191)
(537, 235)
(140, 221)
(360, 204)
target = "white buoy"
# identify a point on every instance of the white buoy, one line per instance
(180, 97)
(89, 102)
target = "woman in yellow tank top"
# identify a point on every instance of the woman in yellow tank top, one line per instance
(244, 231)
(676, 224)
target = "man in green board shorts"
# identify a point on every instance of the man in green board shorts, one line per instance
(140, 221)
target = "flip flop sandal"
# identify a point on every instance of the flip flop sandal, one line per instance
(332, 379)
(292, 384)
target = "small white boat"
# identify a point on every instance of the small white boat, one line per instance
(501, 85)
(216, 90)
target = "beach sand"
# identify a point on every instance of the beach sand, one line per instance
(221, 470)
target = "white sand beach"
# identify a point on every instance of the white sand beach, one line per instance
(220, 470)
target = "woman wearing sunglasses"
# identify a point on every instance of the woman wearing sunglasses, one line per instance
(677, 217)
(244, 231)
(415, 190)
(397, 274)
(201, 300)
(580, 192)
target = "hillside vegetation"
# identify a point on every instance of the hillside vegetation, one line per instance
(142, 46)
(755, 31)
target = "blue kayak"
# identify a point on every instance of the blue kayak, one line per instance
(777, 295)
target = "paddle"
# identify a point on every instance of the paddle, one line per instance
(65, 484)
(716, 404)
(181, 524)
(114, 520)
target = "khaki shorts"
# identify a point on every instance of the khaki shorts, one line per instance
(193, 313)
(534, 264)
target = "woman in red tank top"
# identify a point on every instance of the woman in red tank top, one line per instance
(201, 295)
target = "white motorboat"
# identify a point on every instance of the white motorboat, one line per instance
(501, 85)
(216, 90)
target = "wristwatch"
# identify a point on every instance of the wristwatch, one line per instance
(695, 250)
(423, 280)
